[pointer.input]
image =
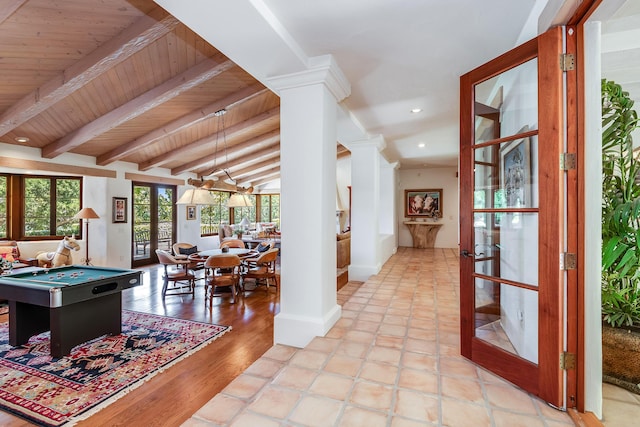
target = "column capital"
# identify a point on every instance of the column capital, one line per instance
(377, 142)
(322, 70)
(394, 165)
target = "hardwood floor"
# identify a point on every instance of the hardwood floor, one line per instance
(172, 397)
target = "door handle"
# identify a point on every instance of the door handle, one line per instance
(465, 253)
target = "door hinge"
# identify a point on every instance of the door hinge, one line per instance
(568, 161)
(567, 361)
(567, 62)
(568, 261)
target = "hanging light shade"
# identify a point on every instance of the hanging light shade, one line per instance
(239, 201)
(196, 196)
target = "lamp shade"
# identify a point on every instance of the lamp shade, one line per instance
(239, 201)
(245, 222)
(196, 196)
(86, 213)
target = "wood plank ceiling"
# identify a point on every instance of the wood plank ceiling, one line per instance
(125, 81)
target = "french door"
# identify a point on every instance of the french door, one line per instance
(153, 221)
(512, 216)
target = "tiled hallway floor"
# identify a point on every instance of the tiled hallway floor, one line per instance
(391, 360)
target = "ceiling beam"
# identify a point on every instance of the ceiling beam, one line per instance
(189, 79)
(9, 8)
(254, 156)
(239, 174)
(202, 142)
(341, 154)
(258, 176)
(265, 180)
(136, 37)
(181, 123)
(241, 154)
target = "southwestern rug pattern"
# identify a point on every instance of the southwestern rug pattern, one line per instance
(53, 392)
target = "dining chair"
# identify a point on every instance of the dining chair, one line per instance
(232, 243)
(263, 268)
(222, 275)
(182, 250)
(182, 280)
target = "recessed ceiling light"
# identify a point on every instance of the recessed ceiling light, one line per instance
(416, 110)
(421, 145)
(22, 139)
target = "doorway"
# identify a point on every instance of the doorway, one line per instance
(154, 219)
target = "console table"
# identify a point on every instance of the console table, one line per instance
(423, 233)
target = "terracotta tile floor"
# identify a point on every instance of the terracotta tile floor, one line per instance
(391, 360)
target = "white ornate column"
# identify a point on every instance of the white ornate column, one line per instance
(365, 205)
(308, 107)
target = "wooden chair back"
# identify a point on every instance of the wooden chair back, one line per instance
(264, 268)
(183, 280)
(232, 243)
(224, 272)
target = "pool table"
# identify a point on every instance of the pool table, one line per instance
(76, 303)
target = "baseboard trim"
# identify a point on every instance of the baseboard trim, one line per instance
(584, 419)
(298, 331)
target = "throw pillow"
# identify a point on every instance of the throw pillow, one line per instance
(188, 251)
(228, 232)
(263, 247)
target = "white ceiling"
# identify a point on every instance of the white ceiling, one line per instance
(397, 55)
(621, 48)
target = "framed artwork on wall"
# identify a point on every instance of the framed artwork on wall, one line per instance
(191, 212)
(515, 173)
(425, 203)
(119, 213)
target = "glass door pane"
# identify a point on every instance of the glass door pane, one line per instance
(153, 221)
(141, 222)
(505, 237)
(511, 216)
(165, 218)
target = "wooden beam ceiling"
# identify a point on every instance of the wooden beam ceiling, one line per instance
(239, 154)
(211, 139)
(180, 124)
(202, 72)
(135, 38)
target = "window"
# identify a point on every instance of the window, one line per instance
(270, 208)
(46, 208)
(211, 216)
(248, 212)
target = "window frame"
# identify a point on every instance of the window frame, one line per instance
(15, 206)
(222, 206)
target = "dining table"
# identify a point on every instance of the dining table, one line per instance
(201, 256)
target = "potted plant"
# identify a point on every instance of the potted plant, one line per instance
(620, 240)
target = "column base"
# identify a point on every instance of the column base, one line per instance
(298, 331)
(360, 273)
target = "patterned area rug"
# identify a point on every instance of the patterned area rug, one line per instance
(54, 392)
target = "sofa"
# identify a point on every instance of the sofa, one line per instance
(9, 249)
(343, 249)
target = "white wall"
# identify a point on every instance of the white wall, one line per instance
(444, 178)
(343, 181)
(109, 243)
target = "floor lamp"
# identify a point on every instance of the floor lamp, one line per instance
(86, 214)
